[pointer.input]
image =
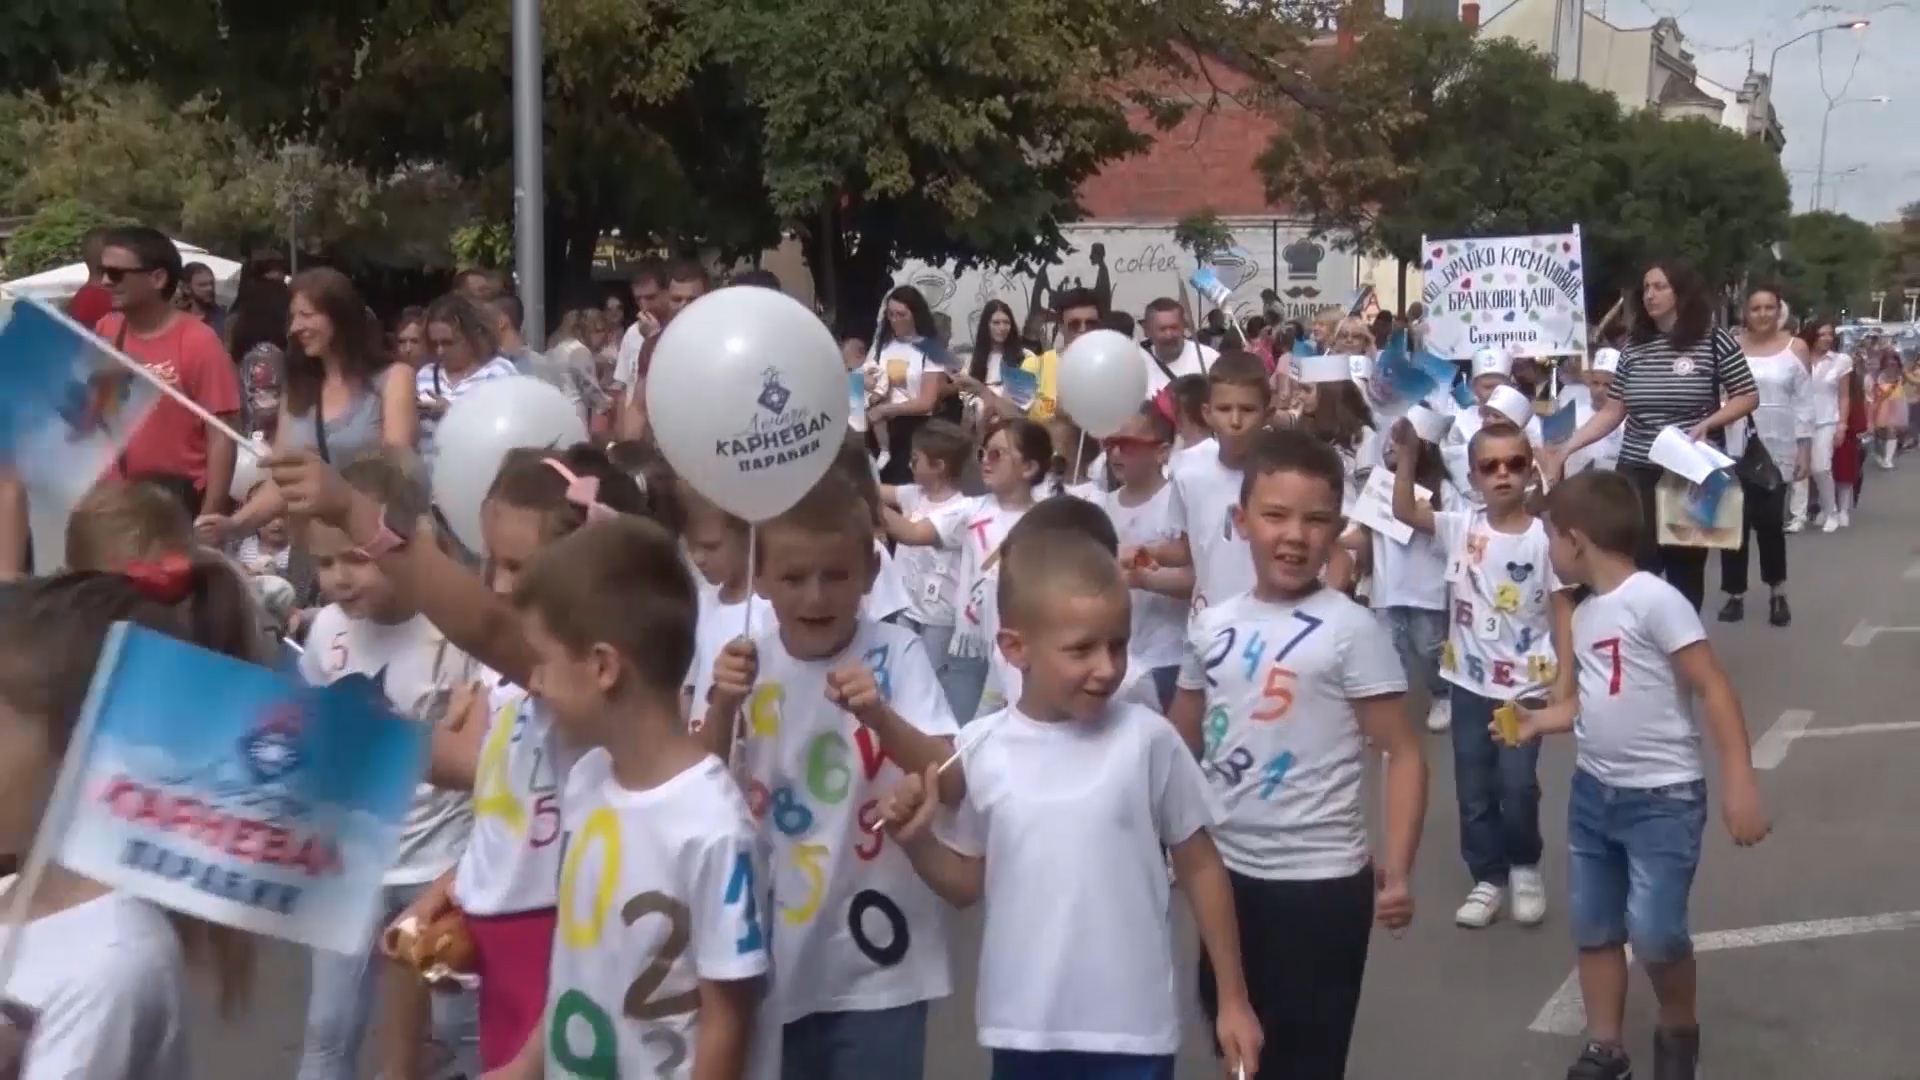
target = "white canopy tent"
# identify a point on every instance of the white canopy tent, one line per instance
(59, 284)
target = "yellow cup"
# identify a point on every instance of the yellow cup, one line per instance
(1506, 724)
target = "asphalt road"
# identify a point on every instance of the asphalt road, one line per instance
(1807, 942)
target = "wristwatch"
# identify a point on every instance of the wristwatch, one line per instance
(395, 533)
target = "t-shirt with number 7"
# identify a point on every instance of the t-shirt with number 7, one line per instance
(1636, 726)
(1282, 748)
(659, 892)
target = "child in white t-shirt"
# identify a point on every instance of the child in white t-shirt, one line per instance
(1141, 509)
(1013, 462)
(1281, 690)
(940, 453)
(1639, 804)
(1499, 650)
(1206, 484)
(717, 544)
(102, 978)
(1070, 800)
(1410, 581)
(832, 701)
(371, 631)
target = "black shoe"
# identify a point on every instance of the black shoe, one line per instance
(1676, 1053)
(1601, 1062)
(1734, 609)
(1778, 613)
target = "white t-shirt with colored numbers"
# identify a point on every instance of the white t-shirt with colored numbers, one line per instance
(1204, 495)
(1500, 638)
(852, 921)
(512, 860)
(931, 574)
(978, 534)
(1159, 621)
(109, 982)
(1636, 727)
(1281, 745)
(412, 663)
(660, 891)
(1076, 952)
(717, 624)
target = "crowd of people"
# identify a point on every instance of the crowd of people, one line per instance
(987, 660)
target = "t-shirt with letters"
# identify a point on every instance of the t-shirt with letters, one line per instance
(1205, 491)
(978, 533)
(659, 892)
(851, 916)
(1281, 745)
(412, 663)
(930, 572)
(1500, 638)
(1636, 727)
(512, 860)
(1076, 950)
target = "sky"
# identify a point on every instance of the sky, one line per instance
(1873, 150)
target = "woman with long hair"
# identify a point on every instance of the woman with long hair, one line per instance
(1680, 371)
(1783, 424)
(996, 348)
(341, 397)
(1849, 456)
(912, 378)
(1828, 405)
(465, 354)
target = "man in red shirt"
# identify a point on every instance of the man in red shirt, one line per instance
(172, 447)
(93, 302)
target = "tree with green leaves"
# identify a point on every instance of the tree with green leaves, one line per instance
(1828, 263)
(1900, 266)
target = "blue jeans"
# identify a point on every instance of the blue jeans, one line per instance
(1498, 790)
(890, 1043)
(937, 639)
(1632, 853)
(340, 1001)
(1079, 1065)
(965, 681)
(1417, 637)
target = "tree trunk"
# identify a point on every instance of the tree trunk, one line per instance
(851, 272)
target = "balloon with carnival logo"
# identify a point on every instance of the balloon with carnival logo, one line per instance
(747, 397)
(1103, 380)
(480, 427)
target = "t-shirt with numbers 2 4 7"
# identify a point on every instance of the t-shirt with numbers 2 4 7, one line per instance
(659, 891)
(1281, 746)
(855, 929)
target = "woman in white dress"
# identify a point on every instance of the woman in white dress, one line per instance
(1827, 367)
(1783, 421)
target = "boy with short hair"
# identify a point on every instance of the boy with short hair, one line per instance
(1281, 690)
(1505, 602)
(1071, 796)
(829, 700)
(1639, 803)
(1206, 484)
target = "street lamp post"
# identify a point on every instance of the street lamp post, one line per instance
(1820, 169)
(1850, 24)
(529, 186)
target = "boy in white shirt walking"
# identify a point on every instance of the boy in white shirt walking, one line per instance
(1070, 800)
(1639, 803)
(1293, 679)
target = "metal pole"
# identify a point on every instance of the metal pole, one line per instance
(1820, 170)
(529, 188)
(293, 236)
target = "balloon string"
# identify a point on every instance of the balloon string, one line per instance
(1079, 444)
(734, 741)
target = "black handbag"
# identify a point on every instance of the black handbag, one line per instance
(1756, 466)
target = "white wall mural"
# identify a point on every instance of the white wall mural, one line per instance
(1272, 264)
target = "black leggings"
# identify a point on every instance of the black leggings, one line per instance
(1766, 528)
(1685, 568)
(1303, 945)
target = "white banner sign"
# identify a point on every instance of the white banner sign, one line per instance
(1522, 293)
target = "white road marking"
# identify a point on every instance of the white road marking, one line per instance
(1862, 634)
(1565, 1012)
(1772, 747)
(1860, 729)
(1911, 573)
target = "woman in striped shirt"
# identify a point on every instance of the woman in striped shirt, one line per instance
(1679, 371)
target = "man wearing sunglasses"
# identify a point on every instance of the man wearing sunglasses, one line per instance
(1078, 311)
(172, 448)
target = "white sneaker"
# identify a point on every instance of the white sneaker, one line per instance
(1529, 895)
(1440, 717)
(1846, 518)
(1482, 906)
(1796, 525)
(1832, 523)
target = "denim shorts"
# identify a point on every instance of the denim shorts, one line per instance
(1632, 853)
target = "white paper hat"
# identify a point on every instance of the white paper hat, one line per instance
(1607, 360)
(1510, 403)
(1360, 367)
(1492, 360)
(1325, 368)
(1429, 425)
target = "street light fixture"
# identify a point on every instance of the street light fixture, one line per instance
(1850, 24)
(1820, 170)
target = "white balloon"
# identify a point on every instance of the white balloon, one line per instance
(1102, 381)
(748, 399)
(475, 435)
